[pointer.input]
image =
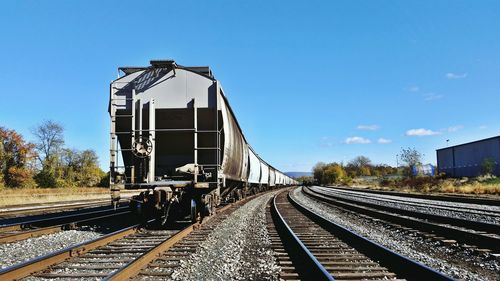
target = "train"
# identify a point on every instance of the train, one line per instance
(175, 137)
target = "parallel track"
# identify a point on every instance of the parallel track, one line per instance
(468, 208)
(480, 234)
(32, 228)
(447, 198)
(322, 250)
(24, 210)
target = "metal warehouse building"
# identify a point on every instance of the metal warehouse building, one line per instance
(465, 160)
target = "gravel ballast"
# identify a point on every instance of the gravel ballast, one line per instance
(472, 212)
(239, 248)
(21, 251)
(452, 261)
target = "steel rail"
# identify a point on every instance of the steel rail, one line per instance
(449, 198)
(475, 225)
(137, 264)
(42, 208)
(24, 269)
(436, 204)
(401, 265)
(296, 248)
(26, 224)
(467, 237)
(134, 267)
(53, 229)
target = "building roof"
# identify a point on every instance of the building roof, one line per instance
(467, 143)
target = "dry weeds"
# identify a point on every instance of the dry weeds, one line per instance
(488, 186)
(23, 196)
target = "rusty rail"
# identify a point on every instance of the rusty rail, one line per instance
(297, 249)
(134, 267)
(25, 234)
(41, 208)
(24, 269)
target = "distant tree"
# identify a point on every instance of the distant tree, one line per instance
(329, 173)
(318, 171)
(488, 166)
(89, 172)
(360, 161)
(71, 167)
(359, 166)
(52, 173)
(49, 145)
(305, 180)
(410, 157)
(334, 173)
(383, 170)
(365, 171)
(16, 160)
(50, 139)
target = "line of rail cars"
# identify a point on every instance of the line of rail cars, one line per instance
(174, 134)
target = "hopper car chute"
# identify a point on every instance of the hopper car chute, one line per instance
(174, 135)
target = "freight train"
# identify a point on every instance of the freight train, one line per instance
(174, 135)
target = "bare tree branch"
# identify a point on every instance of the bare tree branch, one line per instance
(50, 139)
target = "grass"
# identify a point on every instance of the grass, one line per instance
(470, 188)
(492, 181)
(19, 196)
(477, 186)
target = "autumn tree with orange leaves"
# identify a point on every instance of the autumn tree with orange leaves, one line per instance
(17, 160)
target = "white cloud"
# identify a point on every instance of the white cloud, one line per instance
(421, 132)
(368, 127)
(414, 89)
(357, 140)
(451, 75)
(454, 128)
(384, 141)
(432, 96)
(482, 127)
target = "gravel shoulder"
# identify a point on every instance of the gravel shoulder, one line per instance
(239, 248)
(453, 261)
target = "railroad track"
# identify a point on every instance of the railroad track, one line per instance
(309, 246)
(101, 249)
(446, 198)
(481, 237)
(163, 266)
(37, 227)
(132, 251)
(468, 208)
(34, 209)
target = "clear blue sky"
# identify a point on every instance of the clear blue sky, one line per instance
(309, 81)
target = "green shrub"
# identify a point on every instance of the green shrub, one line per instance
(488, 166)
